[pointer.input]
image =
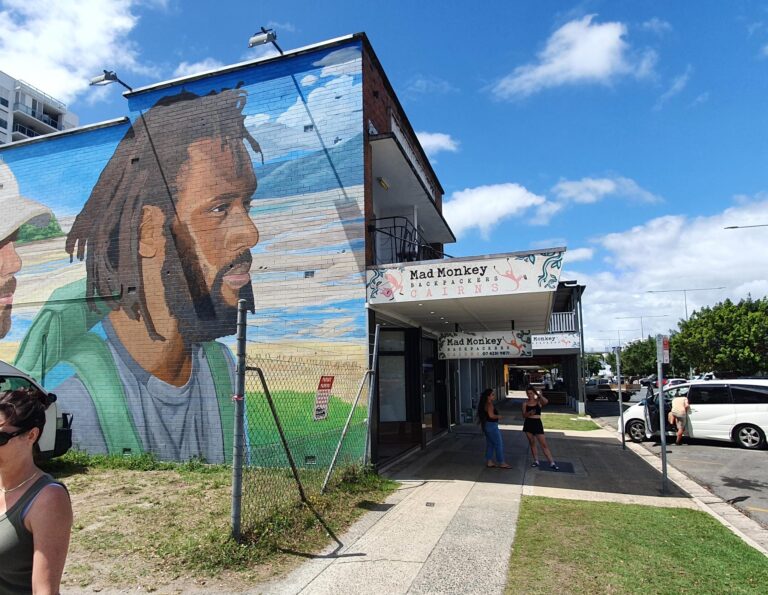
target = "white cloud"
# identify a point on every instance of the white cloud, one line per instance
(428, 85)
(278, 27)
(59, 46)
(656, 25)
(260, 52)
(578, 254)
(592, 190)
(700, 98)
(309, 80)
(434, 142)
(190, 68)
(340, 62)
(578, 52)
(675, 252)
(545, 212)
(485, 207)
(678, 84)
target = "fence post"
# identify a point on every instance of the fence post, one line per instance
(372, 384)
(238, 435)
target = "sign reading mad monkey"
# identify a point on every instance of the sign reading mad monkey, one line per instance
(451, 278)
(492, 344)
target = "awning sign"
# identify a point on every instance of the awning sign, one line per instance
(557, 341)
(452, 278)
(321, 397)
(492, 344)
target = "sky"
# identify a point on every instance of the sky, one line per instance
(630, 132)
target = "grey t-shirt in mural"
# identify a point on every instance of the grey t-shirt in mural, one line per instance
(174, 423)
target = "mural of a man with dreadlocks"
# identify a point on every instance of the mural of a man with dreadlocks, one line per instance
(166, 237)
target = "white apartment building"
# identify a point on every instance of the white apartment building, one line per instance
(26, 111)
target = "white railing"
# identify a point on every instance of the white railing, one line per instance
(563, 322)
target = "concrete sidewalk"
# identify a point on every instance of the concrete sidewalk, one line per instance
(450, 526)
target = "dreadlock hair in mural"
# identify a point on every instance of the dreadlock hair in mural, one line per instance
(144, 171)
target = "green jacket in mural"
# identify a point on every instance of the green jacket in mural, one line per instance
(118, 407)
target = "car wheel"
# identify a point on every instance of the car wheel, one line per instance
(636, 430)
(749, 436)
(613, 397)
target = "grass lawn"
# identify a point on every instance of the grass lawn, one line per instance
(145, 525)
(567, 421)
(569, 546)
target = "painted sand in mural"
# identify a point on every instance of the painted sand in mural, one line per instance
(246, 185)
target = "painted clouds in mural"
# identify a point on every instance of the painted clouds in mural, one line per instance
(168, 239)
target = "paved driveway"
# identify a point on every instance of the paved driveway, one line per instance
(738, 476)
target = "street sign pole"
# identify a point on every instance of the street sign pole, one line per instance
(621, 401)
(662, 356)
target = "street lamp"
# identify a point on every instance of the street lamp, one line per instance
(263, 37)
(685, 293)
(642, 332)
(107, 78)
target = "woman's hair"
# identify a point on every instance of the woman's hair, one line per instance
(530, 387)
(25, 408)
(482, 414)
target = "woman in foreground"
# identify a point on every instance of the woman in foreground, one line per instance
(35, 510)
(534, 428)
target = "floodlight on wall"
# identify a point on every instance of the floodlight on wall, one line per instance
(263, 37)
(108, 78)
(383, 183)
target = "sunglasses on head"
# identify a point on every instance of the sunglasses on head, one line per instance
(6, 436)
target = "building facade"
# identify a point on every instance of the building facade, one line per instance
(27, 112)
(295, 183)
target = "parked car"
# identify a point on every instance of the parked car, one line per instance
(728, 410)
(597, 387)
(56, 438)
(675, 381)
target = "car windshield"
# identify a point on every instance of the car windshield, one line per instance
(13, 382)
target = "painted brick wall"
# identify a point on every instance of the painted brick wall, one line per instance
(131, 244)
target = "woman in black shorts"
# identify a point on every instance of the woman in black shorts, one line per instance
(533, 427)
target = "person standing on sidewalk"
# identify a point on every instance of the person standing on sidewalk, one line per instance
(533, 426)
(489, 418)
(680, 408)
(35, 511)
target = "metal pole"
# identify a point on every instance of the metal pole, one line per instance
(621, 401)
(662, 413)
(238, 435)
(372, 384)
(344, 433)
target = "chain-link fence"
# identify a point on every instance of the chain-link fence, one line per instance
(313, 400)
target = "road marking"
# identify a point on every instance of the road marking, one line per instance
(756, 509)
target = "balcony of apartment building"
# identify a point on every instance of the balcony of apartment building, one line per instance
(21, 132)
(407, 223)
(36, 111)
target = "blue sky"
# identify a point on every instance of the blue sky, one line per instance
(630, 132)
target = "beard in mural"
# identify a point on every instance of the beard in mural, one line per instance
(166, 236)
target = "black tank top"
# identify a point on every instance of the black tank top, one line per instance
(536, 409)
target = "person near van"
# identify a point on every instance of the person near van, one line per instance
(533, 426)
(35, 510)
(489, 419)
(680, 409)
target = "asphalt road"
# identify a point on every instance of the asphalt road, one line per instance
(738, 476)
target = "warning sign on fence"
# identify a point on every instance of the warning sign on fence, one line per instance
(322, 396)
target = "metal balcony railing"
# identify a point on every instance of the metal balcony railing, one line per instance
(38, 115)
(563, 322)
(28, 132)
(395, 239)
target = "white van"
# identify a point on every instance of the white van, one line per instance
(56, 438)
(729, 410)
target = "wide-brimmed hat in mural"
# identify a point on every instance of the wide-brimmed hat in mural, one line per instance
(16, 209)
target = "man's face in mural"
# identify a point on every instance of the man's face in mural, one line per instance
(10, 264)
(214, 235)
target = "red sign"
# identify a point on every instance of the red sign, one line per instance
(321, 397)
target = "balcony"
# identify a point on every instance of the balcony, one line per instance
(20, 132)
(39, 116)
(395, 239)
(563, 322)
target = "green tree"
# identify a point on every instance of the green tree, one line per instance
(32, 233)
(638, 358)
(727, 337)
(592, 363)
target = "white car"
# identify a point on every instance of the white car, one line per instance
(56, 438)
(729, 410)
